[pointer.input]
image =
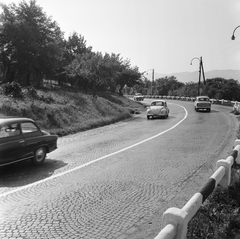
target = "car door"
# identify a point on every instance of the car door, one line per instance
(12, 144)
(33, 137)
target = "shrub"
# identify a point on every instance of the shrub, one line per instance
(48, 99)
(13, 89)
(32, 92)
(219, 216)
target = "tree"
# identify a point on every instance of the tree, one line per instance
(90, 67)
(128, 76)
(220, 88)
(30, 43)
(167, 85)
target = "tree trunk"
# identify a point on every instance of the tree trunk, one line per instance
(28, 83)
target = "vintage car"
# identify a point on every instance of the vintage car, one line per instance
(138, 97)
(158, 109)
(22, 139)
(202, 103)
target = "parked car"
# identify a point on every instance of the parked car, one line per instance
(202, 103)
(158, 108)
(22, 139)
(138, 97)
(236, 108)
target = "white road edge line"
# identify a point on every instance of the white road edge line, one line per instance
(95, 160)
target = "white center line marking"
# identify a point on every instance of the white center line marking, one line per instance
(95, 160)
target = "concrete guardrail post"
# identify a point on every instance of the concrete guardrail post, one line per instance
(227, 164)
(177, 218)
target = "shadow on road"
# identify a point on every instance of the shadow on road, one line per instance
(24, 173)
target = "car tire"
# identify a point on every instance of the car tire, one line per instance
(39, 156)
(148, 117)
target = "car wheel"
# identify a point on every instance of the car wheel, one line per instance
(148, 117)
(196, 109)
(39, 156)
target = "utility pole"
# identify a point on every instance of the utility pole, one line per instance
(200, 68)
(152, 80)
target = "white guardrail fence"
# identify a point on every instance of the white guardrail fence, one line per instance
(234, 104)
(175, 220)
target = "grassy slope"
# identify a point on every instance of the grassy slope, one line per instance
(63, 112)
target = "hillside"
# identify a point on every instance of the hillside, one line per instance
(194, 76)
(62, 112)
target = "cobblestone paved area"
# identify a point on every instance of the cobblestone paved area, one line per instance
(120, 196)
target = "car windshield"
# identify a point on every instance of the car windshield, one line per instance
(9, 130)
(158, 103)
(203, 99)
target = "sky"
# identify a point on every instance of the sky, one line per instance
(164, 35)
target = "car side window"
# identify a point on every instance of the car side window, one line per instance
(28, 127)
(9, 130)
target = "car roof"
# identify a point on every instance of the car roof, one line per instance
(14, 120)
(202, 96)
(158, 101)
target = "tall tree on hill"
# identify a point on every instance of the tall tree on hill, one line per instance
(30, 43)
(88, 71)
(128, 76)
(72, 48)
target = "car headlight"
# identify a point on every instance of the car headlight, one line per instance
(163, 110)
(149, 111)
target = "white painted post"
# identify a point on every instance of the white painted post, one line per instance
(176, 217)
(227, 164)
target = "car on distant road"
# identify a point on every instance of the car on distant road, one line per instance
(22, 139)
(202, 103)
(158, 109)
(138, 97)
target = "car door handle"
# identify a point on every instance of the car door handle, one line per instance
(21, 141)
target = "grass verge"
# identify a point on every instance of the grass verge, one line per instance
(62, 112)
(219, 216)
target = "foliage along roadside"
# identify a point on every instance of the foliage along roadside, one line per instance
(64, 112)
(33, 49)
(219, 216)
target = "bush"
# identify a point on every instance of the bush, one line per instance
(219, 216)
(32, 93)
(13, 89)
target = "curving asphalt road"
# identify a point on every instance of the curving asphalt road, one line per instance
(116, 181)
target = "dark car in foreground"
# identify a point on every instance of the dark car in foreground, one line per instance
(22, 139)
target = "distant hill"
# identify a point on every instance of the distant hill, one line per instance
(194, 76)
